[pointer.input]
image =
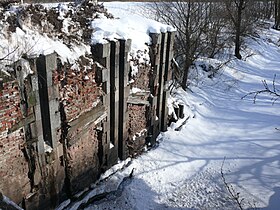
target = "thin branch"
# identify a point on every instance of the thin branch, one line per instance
(233, 194)
(273, 91)
(6, 56)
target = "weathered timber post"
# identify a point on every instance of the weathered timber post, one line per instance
(101, 53)
(160, 102)
(114, 101)
(167, 78)
(123, 97)
(153, 122)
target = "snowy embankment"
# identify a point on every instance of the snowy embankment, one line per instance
(184, 171)
(29, 30)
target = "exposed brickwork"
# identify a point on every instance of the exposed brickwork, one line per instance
(78, 90)
(55, 135)
(80, 94)
(142, 78)
(137, 125)
(13, 166)
(10, 112)
(83, 159)
(137, 118)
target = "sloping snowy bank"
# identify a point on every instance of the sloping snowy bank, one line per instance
(69, 30)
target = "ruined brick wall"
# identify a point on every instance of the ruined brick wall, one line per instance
(13, 164)
(83, 159)
(63, 125)
(78, 88)
(10, 113)
(137, 125)
(139, 107)
(152, 78)
(80, 97)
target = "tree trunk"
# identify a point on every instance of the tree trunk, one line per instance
(277, 14)
(240, 7)
(237, 45)
(186, 73)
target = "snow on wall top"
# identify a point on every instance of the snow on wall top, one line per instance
(132, 27)
(67, 29)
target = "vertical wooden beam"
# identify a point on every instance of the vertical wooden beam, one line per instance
(123, 96)
(114, 101)
(155, 51)
(167, 78)
(160, 102)
(101, 54)
(44, 99)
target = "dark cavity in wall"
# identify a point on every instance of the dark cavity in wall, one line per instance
(160, 88)
(166, 74)
(100, 152)
(64, 161)
(112, 92)
(44, 99)
(121, 99)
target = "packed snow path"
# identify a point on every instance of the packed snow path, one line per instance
(184, 171)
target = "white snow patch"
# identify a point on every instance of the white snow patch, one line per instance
(136, 90)
(47, 148)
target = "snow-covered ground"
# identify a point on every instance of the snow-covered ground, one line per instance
(184, 171)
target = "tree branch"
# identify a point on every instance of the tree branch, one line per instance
(233, 194)
(273, 91)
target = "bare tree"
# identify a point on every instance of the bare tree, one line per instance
(5, 3)
(197, 31)
(268, 8)
(243, 15)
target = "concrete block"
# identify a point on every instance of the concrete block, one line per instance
(37, 177)
(125, 107)
(51, 65)
(33, 129)
(39, 128)
(22, 70)
(172, 39)
(53, 92)
(105, 75)
(164, 122)
(59, 150)
(100, 50)
(128, 45)
(34, 82)
(106, 126)
(117, 83)
(106, 100)
(38, 112)
(31, 97)
(40, 144)
(54, 106)
(156, 38)
(126, 91)
(106, 87)
(126, 116)
(163, 47)
(55, 121)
